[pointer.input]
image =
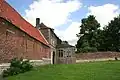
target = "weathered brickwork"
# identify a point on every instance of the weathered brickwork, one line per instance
(16, 43)
(46, 33)
(97, 55)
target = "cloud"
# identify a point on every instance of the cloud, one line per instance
(70, 33)
(53, 13)
(104, 13)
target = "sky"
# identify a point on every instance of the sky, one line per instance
(65, 15)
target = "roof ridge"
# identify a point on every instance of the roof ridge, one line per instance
(6, 10)
(43, 37)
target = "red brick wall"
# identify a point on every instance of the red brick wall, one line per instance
(16, 43)
(97, 55)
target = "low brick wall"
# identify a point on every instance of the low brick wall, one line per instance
(44, 61)
(4, 66)
(97, 55)
(94, 60)
(35, 63)
(68, 60)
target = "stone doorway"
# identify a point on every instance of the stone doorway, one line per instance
(53, 60)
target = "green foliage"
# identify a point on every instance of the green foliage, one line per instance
(93, 49)
(87, 49)
(112, 33)
(91, 38)
(88, 35)
(17, 66)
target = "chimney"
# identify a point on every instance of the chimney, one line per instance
(37, 23)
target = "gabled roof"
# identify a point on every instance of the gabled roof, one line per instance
(43, 26)
(64, 45)
(10, 14)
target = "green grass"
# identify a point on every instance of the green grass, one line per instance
(109, 70)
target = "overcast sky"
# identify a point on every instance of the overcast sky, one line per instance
(65, 15)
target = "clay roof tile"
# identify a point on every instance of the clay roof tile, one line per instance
(10, 14)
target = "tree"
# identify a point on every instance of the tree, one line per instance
(112, 33)
(101, 40)
(88, 34)
(92, 38)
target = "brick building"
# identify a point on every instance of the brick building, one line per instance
(52, 39)
(58, 47)
(18, 38)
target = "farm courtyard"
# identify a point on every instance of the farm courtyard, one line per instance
(107, 70)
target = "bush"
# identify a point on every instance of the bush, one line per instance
(17, 66)
(93, 49)
(25, 66)
(87, 49)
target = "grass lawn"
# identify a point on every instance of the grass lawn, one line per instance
(109, 70)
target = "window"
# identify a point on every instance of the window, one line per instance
(60, 53)
(68, 53)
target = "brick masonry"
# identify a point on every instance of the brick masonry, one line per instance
(16, 43)
(97, 55)
(51, 37)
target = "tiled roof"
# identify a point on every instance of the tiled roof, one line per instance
(43, 26)
(64, 46)
(10, 14)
